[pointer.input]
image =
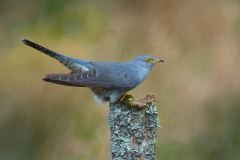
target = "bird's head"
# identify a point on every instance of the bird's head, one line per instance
(146, 61)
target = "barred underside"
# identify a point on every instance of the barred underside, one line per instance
(103, 95)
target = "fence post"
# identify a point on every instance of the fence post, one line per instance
(133, 126)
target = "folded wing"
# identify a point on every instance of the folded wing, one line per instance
(90, 78)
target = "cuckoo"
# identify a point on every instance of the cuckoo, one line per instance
(107, 80)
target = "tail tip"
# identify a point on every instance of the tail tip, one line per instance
(23, 40)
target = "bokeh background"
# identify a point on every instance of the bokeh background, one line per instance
(197, 87)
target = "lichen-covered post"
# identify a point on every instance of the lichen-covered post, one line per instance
(133, 126)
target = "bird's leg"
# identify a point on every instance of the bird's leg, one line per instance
(122, 97)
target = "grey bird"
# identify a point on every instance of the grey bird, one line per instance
(107, 80)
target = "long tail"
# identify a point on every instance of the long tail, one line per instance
(48, 52)
(66, 61)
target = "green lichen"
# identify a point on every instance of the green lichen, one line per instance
(133, 130)
(128, 100)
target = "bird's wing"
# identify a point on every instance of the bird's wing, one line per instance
(90, 78)
(103, 75)
(121, 75)
(75, 65)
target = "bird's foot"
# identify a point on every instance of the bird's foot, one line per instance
(122, 97)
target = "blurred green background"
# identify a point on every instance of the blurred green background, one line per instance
(197, 87)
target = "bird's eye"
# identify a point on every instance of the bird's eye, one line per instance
(148, 59)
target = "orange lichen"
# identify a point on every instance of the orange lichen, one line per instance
(141, 103)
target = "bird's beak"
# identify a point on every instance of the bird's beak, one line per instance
(157, 60)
